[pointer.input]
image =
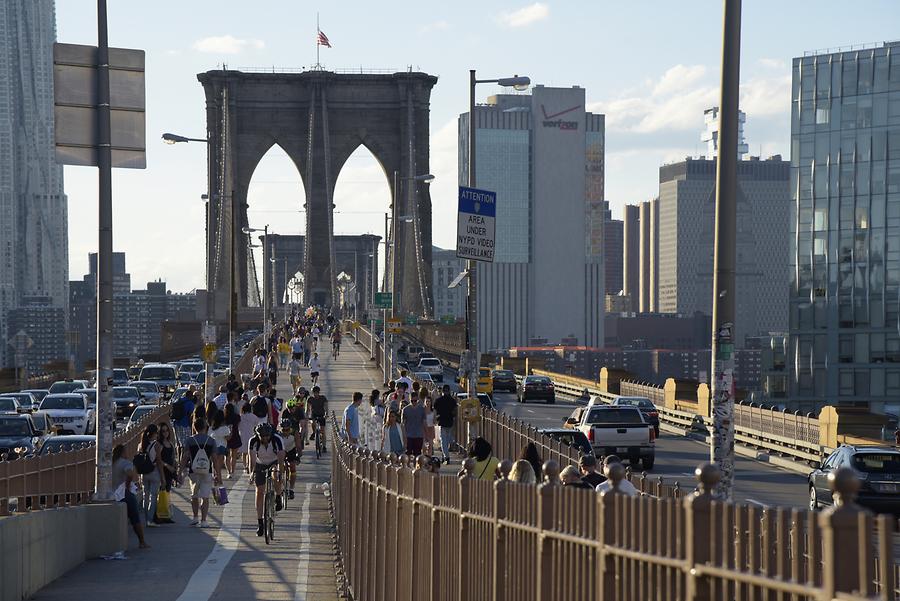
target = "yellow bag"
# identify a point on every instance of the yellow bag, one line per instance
(162, 506)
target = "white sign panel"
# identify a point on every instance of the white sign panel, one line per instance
(475, 224)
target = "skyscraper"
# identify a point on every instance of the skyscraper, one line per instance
(543, 155)
(845, 229)
(631, 246)
(34, 257)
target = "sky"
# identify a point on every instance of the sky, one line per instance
(651, 67)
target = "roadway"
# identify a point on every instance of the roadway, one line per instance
(676, 456)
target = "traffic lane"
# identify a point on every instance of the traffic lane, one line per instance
(754, 482)
(537, 413)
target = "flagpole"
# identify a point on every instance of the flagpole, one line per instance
(318, 64)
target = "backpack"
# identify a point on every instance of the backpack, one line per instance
(142, 463)
(178, 409)
(200, 463)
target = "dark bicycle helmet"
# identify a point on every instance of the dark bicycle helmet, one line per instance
(287, 424)
(264, 429)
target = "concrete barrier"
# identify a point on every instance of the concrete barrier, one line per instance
(39, 547)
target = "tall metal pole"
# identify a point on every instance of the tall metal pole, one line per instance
(386, 360)
(284, 296)
(105, 414)
(370, 306)
(265, 285)
(471, 266)
(722, 449)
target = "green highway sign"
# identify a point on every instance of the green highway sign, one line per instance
(412, 320)
(383, 300)
(448, 320)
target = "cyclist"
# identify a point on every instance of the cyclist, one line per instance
(314, 367)
(336, 342)
(265, 451)
(318, 409)
(293, 445)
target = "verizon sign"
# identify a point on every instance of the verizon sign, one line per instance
(475, 224)
(552, 119)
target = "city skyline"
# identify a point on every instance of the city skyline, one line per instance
(654, 109)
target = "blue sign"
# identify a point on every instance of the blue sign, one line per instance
(476, 224)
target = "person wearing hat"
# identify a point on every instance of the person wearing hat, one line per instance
(588, 466)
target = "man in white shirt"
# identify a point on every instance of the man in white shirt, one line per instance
(297, 347)
(222, 398)
(625, 486)
(404, 377)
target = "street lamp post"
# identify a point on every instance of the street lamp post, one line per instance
(170, 138)
(265, 295)
(474, 360)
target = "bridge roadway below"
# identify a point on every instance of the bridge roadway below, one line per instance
(228, 561)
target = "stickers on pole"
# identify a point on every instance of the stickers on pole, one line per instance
(476, 224)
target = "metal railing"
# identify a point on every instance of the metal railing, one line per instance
(503, 540)
(61, 479)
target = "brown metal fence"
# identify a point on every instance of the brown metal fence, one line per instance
(60, 479)
(406, 534)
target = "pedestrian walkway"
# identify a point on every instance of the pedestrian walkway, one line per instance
(228, 561)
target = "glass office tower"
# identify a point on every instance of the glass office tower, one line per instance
(845, 229)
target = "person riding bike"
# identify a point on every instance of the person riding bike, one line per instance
(317, 406)
(265, 450)
(336, 342)
(293, 448)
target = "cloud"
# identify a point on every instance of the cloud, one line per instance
(226, 44)
(678, 78)
(773, 63)
(435, 26)
(525, 16)
(766, 96)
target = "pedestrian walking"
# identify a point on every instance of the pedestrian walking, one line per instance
(428, 445)
(200, 462)
(588, 466)
(625, 486)
(233, 443)
(570, 477)
(392, 437)
(246, 428)
(293, 370)
(167, 446)
(125, 487)
(284, 351)
(350, 422)
(151, 481)
(220, 431)
(522, 472)
(445, 407)
(181, 414)
(485, 463)
(413, 419)
(531, 455)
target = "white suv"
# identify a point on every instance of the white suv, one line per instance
(432, 366)
(70, 412)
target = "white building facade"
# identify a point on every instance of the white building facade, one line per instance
(34, 259)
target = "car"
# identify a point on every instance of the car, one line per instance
(38, 393)
(43, 423)
(574, 438)
(120, 377)
(27, 402)
(486, 400)
(90, 394)
(149, 391)
(621, 431)
(9, 404)
(138, 414)
(878, 468)
(484, 383)
(18, 437)
(426, 355)
(433, 367)
(413, 352)
(536, 387)
(126, 399)
(70, 411)
(59, 444)
(191, 368)
(646, 406)
(504, 379)
(64, 386)
(424, 380)
(179, 392)
(163, 374)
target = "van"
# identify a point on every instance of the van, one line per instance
(413, 352)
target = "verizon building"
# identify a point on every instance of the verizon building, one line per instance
(543, 155)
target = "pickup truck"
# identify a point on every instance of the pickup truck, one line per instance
(616, 430)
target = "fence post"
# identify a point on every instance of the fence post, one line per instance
(501, 487)
(697, 514)
(846, 557)
(606, 533)
(545, 510)
(464, 489)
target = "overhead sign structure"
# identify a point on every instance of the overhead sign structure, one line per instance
(75, 99)
(383, 300)
(475, 224)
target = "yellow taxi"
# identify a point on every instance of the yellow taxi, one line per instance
(485, 382)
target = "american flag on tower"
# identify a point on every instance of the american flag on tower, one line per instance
(322, 40)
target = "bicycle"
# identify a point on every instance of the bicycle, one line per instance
(317, 429)
(272, 473)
